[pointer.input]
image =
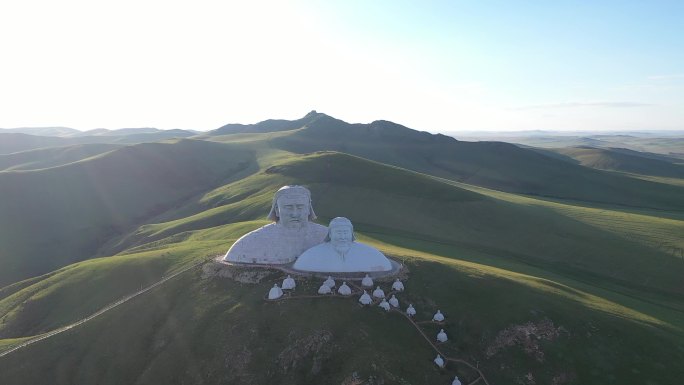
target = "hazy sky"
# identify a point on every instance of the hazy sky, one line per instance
(430, 65)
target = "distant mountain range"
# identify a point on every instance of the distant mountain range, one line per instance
(66, 132)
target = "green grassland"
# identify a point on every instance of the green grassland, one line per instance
(625, 161)
(19, 142)
(497, 165)
(635, 249)
(202, 329)
(669, 146)
(595, 286)
(52, 217)
(52, 156)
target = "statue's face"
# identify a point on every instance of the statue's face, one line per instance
(341, 236)
(293, 211)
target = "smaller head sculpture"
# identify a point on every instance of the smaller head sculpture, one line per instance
(292, 207)
(340, 235)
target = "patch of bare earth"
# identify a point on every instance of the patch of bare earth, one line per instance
(528, 336)
(239, 274)
(314, 348)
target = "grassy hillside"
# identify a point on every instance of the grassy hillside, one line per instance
(51, 156)
(56, 216)
(41, 131)
(496, 165)
(203, 328)
(535, 290)
(270, 125)
(17, 142)
(641, 250)
(625, 161)
(670, 145)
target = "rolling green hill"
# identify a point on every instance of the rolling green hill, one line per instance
(624, 160)
(56, 216)
(386, 200)
(668, 144)
(41, 131)
(51, 156)
(495, 165)
(17, 142)
(534, 289)
(204, 328)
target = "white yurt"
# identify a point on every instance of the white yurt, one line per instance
(344, 289)
(411, 311)
(367, 281)
(365, 299)
(329, 282)
(324, 289)
(397, 285)
(275, 292)
(456, 381)
(441, 336)
(385, 305)
(378, 293)
(438, 317)
(289, 283)
(439, 361)
(394, 301)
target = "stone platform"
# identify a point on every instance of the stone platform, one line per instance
(397, 268)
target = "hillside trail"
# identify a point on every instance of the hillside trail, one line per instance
(416, 324)
(358, 290)
(103, 310)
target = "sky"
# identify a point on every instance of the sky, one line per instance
(438, 66)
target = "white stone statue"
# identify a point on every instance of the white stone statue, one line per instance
(275, 292)
(397, 285)
(411, 311)
(384, 304)
(330, 282)
(441, 336)
(344, 289)
(378, 293)
(367, 281)
(324, 289)
(456, 381)
(365, 299)
(394, 301)
(340, 253)
(439, 361)
(289, 283)
(438, 317)
(284, 240)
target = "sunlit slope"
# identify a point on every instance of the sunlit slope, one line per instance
(496, 165)
(625, 161)
(52, 156)
(200, 328)
(476, 254)
(669, 146)
(17, 142)
(52, 217)
(381, 199)
(45, 303)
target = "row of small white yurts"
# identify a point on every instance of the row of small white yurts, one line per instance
(365, 299)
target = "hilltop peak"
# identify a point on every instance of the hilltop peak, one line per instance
(312, 114)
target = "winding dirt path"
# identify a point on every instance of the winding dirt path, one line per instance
(416, 324)
(103, 310)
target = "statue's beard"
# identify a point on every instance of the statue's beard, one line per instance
(342, 247)
(294, 224)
